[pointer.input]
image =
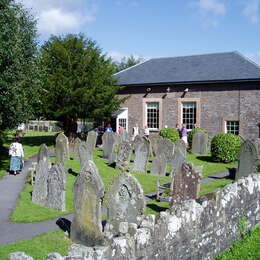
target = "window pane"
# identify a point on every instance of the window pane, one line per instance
(189, 114)
(152, 112)
(232, 127)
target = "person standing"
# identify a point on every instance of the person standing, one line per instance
(146, 131)
(109, 128)
(184, 134)
(17, 154)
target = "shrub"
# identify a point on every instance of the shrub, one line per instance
(192, 132)
(169, 133)
(225, 147)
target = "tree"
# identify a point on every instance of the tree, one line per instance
(79, 82)
(127, 62)
(18, 65)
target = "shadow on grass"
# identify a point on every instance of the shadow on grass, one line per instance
(156, 207)
(4, 160)
(38, 140)
(205, 158)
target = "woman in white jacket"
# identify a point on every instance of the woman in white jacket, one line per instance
(17, 154)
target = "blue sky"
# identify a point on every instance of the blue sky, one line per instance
(155, 28)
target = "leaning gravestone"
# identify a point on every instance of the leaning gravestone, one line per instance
(178, 159)
(186, 183)
(124, 201)
(86, 227)
(200, 143)
(141, 155)
(62, 148)
(181, 146)
(77, 142)
(92, 139)
(123, 156)
(43, 153)
(248, 159)
(85, 154)
(56, 185)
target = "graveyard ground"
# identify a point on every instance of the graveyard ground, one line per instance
(56, 241)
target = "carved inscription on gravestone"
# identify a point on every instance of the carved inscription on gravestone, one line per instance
(142, 149)
(186, 183)
(248, 159)
(86, 227)
(200, 143)
(124, 200)
(123, 156)
(62, 148)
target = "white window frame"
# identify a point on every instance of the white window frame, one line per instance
(194, 117)
(226, 126)
(122, 115)
(157, 115)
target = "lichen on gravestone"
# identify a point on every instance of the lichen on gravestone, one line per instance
(62, 148)
(88, 190)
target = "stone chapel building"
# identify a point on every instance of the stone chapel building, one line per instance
(219, 92)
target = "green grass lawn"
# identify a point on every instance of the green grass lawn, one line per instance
(246, 249)
(40, 246)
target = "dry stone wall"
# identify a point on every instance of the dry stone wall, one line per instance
(197, 229)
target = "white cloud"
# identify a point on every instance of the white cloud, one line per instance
(251, 10)
(61, 16)
(118, 56)
(213, 7)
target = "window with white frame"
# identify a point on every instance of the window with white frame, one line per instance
(232, 126)
(152, 115)
(189, 110)
(122, 122)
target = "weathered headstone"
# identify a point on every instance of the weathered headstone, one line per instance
(141, 155)
(123, 156)
(124, 200)
(85, 154)
(159, 164)
(77, 142)
(257, 145)
(62, 148)
(86, 227)
(248, 159)
(182, 146)
(113, 143)
(56, 184)
(124, 136)
(43, 153)
(92, 139)
(40, 188)
(200, 143)
(186, 183)
(155, 141)
(178, 159)
(107, 144)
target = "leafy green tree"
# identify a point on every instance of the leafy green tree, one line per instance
(127, 62)
(79, 82)
(18, 65)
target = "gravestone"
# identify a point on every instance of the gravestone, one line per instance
(178, 159)
(186, 183)
(86, 227)
(107, 141)
(200, 143)
(124, 136)
(113, 143)
(124, 201)
(85, 154)
(137, 141)
(56, 186)
(248, 159)
(40, 188)
(159, 165)
(92, 139)
(43, 153)
(166, 147)
(76, 148)
(123, 156)
(182, 146)
(62, 148)
(155, 141)
(257, 145)
(141, 155)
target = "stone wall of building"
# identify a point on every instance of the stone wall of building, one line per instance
(198, 229)
(218, 102)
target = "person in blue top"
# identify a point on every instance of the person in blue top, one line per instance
(108, 128)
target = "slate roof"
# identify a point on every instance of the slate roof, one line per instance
(228, 66)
